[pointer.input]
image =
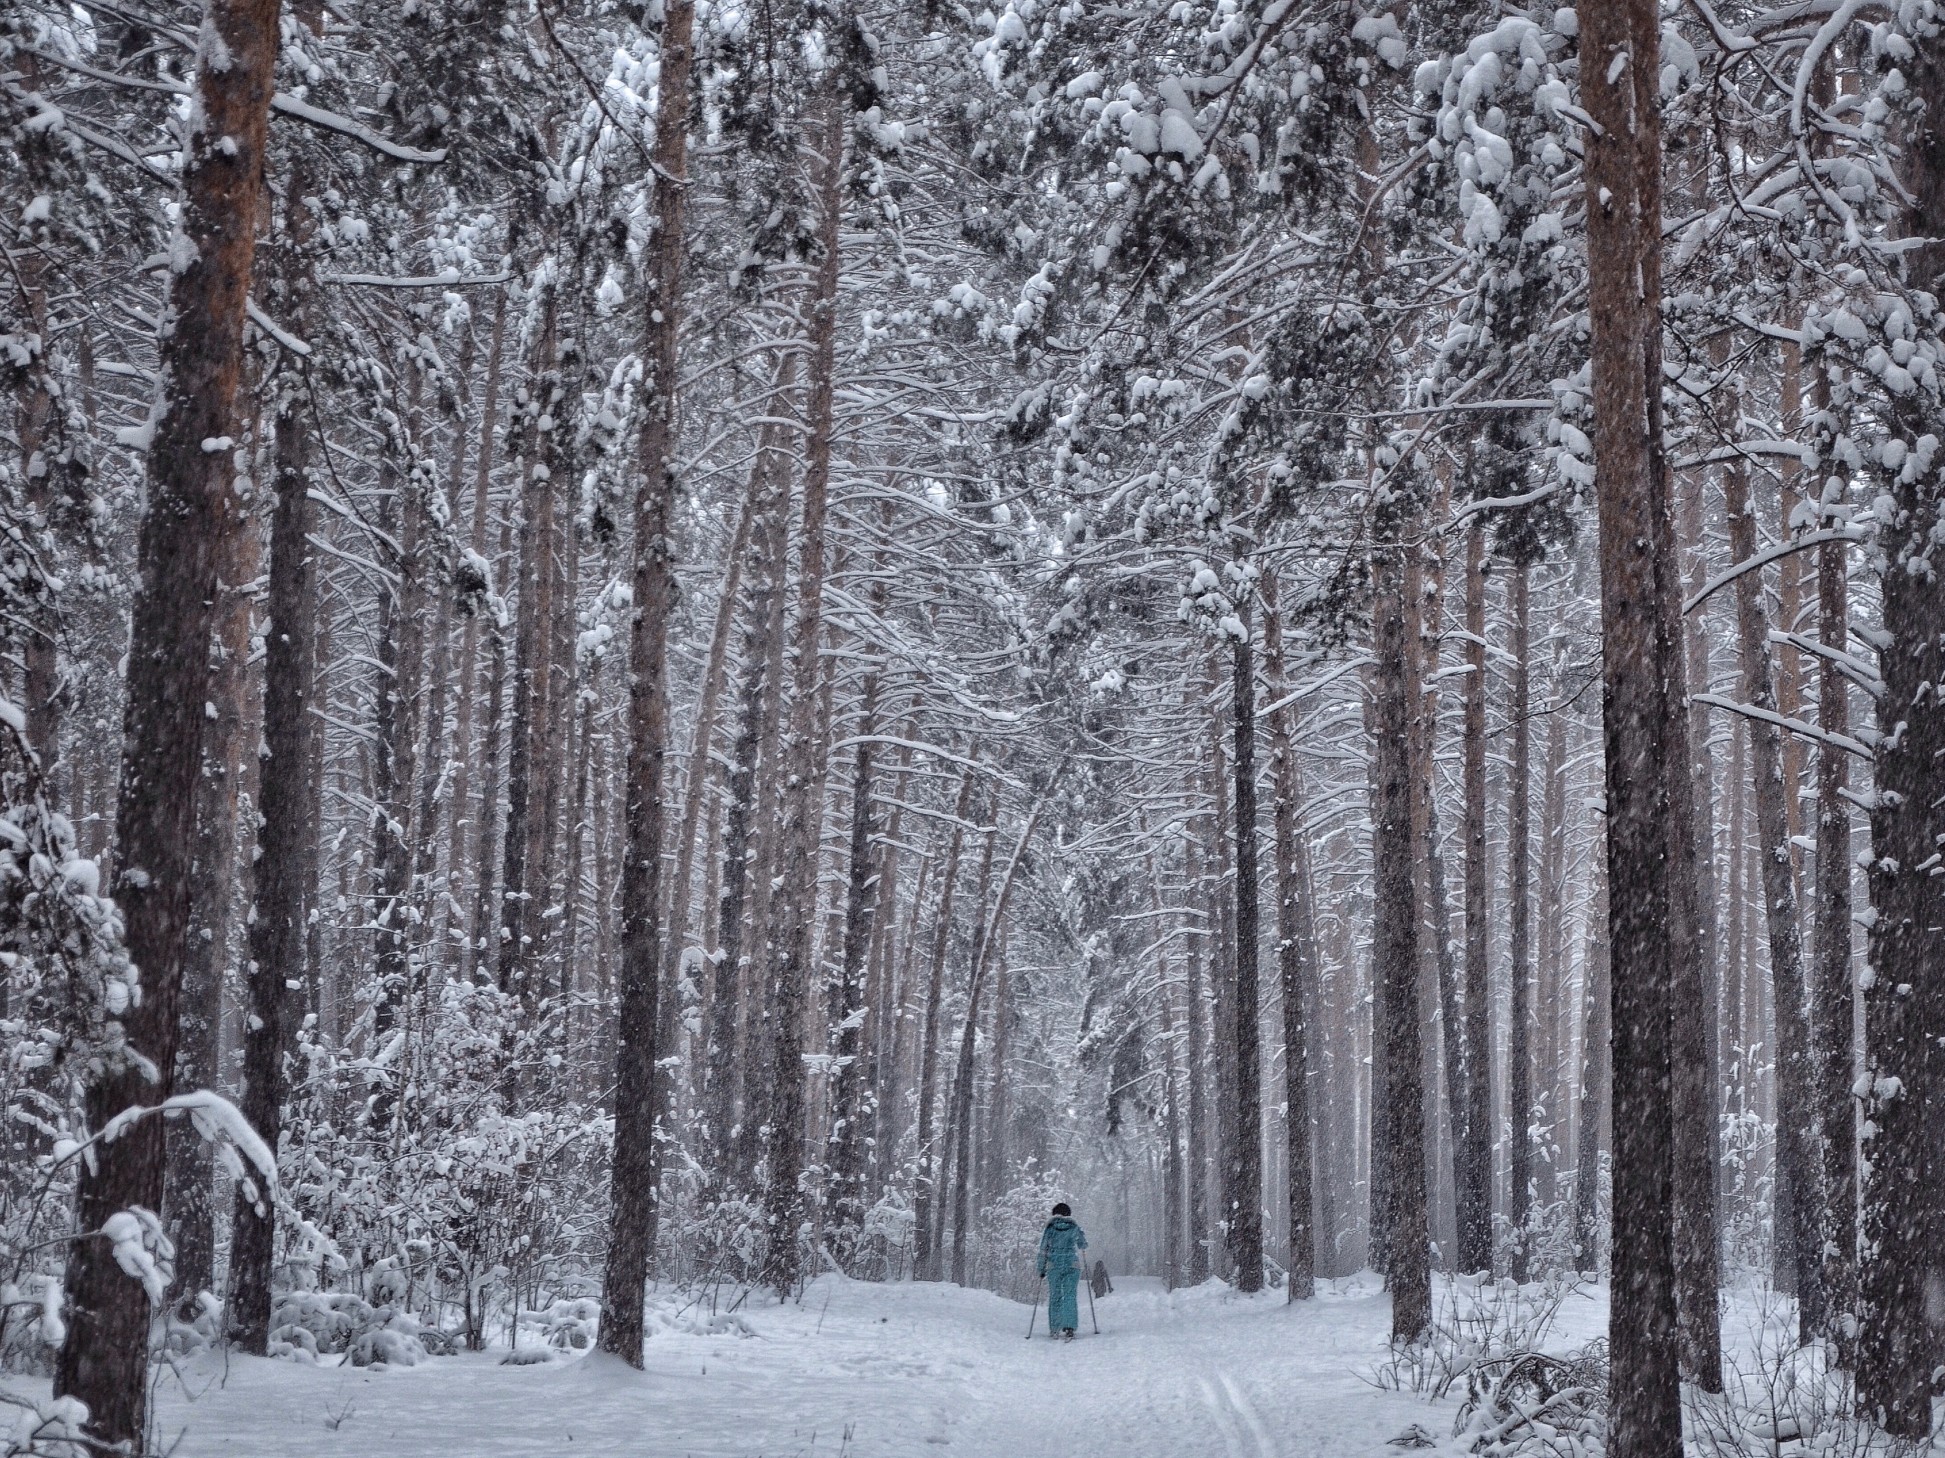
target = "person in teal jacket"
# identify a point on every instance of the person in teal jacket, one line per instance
(1061, 1244)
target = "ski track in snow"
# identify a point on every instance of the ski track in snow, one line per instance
(862, 1371)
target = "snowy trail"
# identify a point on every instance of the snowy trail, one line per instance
(865, 1371)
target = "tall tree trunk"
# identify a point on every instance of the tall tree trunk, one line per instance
(480, 956)
(287, 804)
(757, 690)
(1645, 710)
(925, 1196)
(191, 509)
(189, 1195)
(1796, 1121)
(634, 1197)
(1519, 860)
(1197, 1150)
(1594, 1063)
(520, 885)
(1473, 1159)
(1395, 954)
(1833, 991)
(1905, 1001)
(860, 908)
(1296, 960)
(1550, 966)
(784, 1207)
(460, 805)
(1246, 1143)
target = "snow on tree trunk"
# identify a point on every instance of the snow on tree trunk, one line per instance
(191, 505)
(1644, 709)
(636, 1169)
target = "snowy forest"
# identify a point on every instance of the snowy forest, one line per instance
(667, 660)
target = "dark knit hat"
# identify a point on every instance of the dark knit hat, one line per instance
(1061, 1209)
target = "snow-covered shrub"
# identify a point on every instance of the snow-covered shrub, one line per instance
(566, 1325)
(458, 1175)
(1478, 1325)
(1530, 1403)
(1006, 1234)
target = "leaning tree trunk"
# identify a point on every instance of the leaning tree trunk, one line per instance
(1905, 1001)
(1473, 1159)
(1395, 935)
(191, 508)
(1645, 708)
(287, 829)
(962, 1088)
(1246, 1142)
(1796, 1121)
(784, 1204)
(636, 1163)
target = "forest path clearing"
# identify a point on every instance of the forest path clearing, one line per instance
(866, 1371)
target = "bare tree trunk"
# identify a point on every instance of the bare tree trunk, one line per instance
(1834, 993)
(461, 799)
(1246, 1142)
(1519, 1054)
(191, 508)
(925, 1195)
(1551, 965)
(860, 909)
(287, 802)
(189, 1196)
(1296, 957)
(1197, 1150)
(1645, 710)
(1593, 1078)
(1905, 1003)
(757, 690)
(784, 1204)
(1796, 1122)
(480, 956)
(520, 886)
(636, 1171)
(1395, 955)
(1473, 1160)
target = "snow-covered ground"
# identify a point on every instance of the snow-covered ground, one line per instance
(866, 1371)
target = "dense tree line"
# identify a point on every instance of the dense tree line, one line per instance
(748, 641)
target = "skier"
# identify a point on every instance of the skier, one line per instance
(1100, 1282)
(1061, 1244)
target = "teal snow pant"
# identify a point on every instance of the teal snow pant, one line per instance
(1063, 1312)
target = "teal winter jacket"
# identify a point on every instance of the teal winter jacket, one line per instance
(1061, 1244)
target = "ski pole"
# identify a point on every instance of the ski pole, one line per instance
(1090, 1308)
(1034, 1313)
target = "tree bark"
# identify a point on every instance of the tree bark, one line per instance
(1519, 877)
(1594, 1063)
(784, 1204)
(1246, 1143)
(1296, 958)
(287, 820)
(189, 1195)
(1395, 934)
(1796, 1121)
(1473, 1159)
(1905, 999)
(191, 508)
(634, 1197)
(1645, 709)
(925, 1195)
(1834, 994)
